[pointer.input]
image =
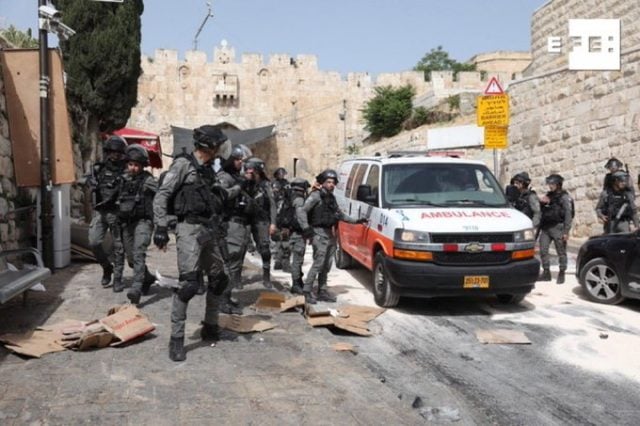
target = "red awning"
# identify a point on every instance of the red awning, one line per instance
(149, 140)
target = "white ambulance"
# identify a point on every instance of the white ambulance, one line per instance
(438, 226)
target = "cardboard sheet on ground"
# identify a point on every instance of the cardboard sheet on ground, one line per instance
(344, 347)
(244, 324)
(126, 323)
(502, 336)
(34, 343)
(351, 318)
(277, 302)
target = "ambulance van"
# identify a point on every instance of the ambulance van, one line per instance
(438, 226)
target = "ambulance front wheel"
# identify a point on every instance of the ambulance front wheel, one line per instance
(383, 293)
(342, 258)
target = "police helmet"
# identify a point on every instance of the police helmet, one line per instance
(327, 174)
(522, 177)
(619, 176)
(240, 152)
(137, 153)
(280, 173)
(114, 144)
(299, 184)
(555, 179)
(208, 136)
(613, 163)
(254, 163)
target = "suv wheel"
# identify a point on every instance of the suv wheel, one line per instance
(382, 291)
(601, 282)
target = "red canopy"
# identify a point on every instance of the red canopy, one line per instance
(150, 141)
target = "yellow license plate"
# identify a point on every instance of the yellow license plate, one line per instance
(476, 281)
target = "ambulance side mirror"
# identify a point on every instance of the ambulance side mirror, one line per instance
(366, 195)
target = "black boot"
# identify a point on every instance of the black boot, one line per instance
(107, 271)
(560, 279)
(266, 278)
(325, 296)
(118, 285)
(309, 298)
(545, 275)
(277, 265)
(210, 332)
(228, 307)
(176, 349)
(296, 287)
(149, 279)
(286, 267)
(134, 296)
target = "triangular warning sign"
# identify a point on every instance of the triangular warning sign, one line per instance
(493, 88)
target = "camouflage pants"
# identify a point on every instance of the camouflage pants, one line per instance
(324, 248)
(282, 250)
(102, 223)
(136, 237)
(195, 259)
(554, 234)
(260, 232)
(237, 238)
(298, 247)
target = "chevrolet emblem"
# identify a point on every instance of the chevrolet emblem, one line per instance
(474, 247)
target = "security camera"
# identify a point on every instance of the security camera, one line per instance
(63, 32)
(48, 11)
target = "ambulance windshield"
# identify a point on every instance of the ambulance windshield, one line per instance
(431, 185)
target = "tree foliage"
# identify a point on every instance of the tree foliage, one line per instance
(386, 112)
(438, 60)
(19, 39)
(102, 60)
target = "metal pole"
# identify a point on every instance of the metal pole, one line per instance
(495, 162)
(46, 208)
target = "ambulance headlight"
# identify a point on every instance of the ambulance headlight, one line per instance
(525, 235)
(408, 236)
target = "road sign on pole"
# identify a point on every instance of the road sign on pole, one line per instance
(493, 110)
(493, 88)
(495, 137)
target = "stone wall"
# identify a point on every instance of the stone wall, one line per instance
(571, 122)
(317, 113)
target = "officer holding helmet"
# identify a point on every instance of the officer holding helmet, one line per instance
(557, 214)
(323, 213)
(135, 214)
(616, 206)
(263, 224)
(105, 182)
(190, 191)
(527, 201)
(239, 209)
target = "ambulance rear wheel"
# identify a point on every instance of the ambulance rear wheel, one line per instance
(342, 258)
(383, 293)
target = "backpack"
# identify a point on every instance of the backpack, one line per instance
(286, 215)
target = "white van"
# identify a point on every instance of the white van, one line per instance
(438, 226)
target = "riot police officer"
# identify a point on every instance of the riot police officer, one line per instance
(616, 206)
(527, 201)
(281, 250)
(557, 214)
(135, 214)
(239, 209)
(263, 223)
(323, 213)
(295, 218)
(106, 182)
(190, 191)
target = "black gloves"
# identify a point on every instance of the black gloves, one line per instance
(362, 221)
(161, 237)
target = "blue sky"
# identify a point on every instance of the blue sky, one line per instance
(372, 36)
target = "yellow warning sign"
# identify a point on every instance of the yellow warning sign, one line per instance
(493, 110)
(495, 137)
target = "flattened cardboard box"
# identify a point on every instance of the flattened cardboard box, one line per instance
(277, 302)
(127, 323)
(244, 324)
(351, 318)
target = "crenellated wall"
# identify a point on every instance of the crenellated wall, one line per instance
(317, 113)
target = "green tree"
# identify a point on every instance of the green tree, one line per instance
(102, 62)
(438, 60)
(385, 113)
(19, 39)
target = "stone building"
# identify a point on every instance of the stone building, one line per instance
(570, 122)
(317, 114)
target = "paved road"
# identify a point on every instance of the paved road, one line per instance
(583, 366)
